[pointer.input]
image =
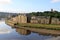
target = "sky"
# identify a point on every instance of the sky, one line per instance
(26, 6)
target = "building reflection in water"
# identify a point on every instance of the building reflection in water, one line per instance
(23, 31)
(27, 32)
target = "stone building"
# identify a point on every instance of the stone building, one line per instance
(14, 19)
(40, 19)
(19, 19)
(55, 21)
(34, 19)
(22, 18)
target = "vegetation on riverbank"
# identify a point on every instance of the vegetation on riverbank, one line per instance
(46, 13)
(42, 26)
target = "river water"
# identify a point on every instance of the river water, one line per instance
(8, 33)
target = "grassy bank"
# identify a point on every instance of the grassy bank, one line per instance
(42, 26)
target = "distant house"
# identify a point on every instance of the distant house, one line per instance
(40, 19)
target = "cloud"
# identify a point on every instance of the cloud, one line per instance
(9, 10)
(55, 1)
(2, 2)
(4, 31)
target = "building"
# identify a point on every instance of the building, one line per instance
(55, 21)
(14, 19)
(22, 18)
(19, 18)
(40, 19)
(34, 19)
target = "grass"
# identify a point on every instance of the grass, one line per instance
(42, 26)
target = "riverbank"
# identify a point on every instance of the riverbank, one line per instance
(48, 29)
(41, 26)
(30, 25)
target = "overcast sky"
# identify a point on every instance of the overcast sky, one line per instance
(28, 5)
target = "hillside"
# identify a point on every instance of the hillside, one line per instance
(6, 14)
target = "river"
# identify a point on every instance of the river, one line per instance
(8, 33)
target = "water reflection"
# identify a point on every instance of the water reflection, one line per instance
(27, 31)
(13, 35)
(23, 31)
